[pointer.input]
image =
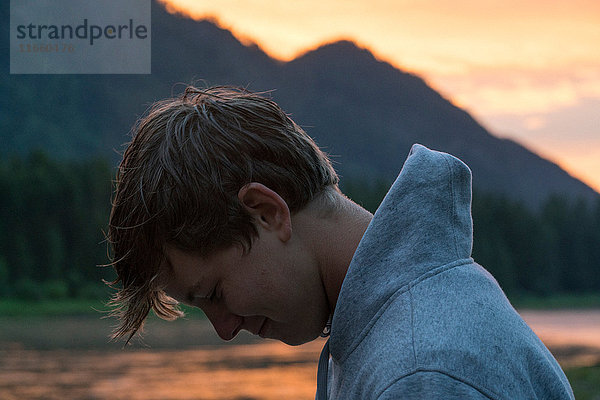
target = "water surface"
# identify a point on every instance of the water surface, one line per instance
(70, 358)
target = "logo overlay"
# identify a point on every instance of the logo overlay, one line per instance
(80, 37)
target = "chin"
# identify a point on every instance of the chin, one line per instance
(297, 341)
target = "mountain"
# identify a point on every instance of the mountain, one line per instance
(364, 112)
(370, 113)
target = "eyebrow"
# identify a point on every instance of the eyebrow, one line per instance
(165, 260)
(164, 278)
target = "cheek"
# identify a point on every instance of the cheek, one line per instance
(245, 297)
(292, 294)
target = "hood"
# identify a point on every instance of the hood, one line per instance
(424, 222)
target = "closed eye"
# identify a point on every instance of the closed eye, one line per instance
(193, 296)
(212, 297)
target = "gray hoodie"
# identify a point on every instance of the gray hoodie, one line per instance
(417, 318)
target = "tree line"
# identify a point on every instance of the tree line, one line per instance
(555, 249)
(53, 215)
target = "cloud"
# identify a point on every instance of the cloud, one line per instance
(526, 69)
(569, 136)
(495, 91)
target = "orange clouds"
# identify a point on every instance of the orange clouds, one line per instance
(512, 63)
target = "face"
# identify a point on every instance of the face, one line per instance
(273, 291)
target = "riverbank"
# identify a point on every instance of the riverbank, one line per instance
(581, 301)
(80, 307)
(64, 307)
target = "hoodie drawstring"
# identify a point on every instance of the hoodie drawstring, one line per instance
(323, 373)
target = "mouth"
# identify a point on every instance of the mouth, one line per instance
(261, 331)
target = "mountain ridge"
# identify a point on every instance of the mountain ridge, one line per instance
(432, 120)
(362, 110)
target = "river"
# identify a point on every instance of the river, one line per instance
(70, 358)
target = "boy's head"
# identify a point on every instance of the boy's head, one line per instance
(179, 180)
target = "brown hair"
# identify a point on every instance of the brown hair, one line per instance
(179, 179)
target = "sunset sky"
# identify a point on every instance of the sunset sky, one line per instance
(528, 70)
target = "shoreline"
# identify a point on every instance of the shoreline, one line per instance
(573, 336)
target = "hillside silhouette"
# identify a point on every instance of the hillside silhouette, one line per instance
(364, 112)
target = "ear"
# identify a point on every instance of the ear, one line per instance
(268, 209)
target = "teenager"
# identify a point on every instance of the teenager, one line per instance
(224, 203)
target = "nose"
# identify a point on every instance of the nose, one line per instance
(226, 324)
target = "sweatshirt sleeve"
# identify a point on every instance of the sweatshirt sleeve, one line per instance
(432, 385)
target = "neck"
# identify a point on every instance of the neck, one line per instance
(334, 239)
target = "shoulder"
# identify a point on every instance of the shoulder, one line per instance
(433, 385)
